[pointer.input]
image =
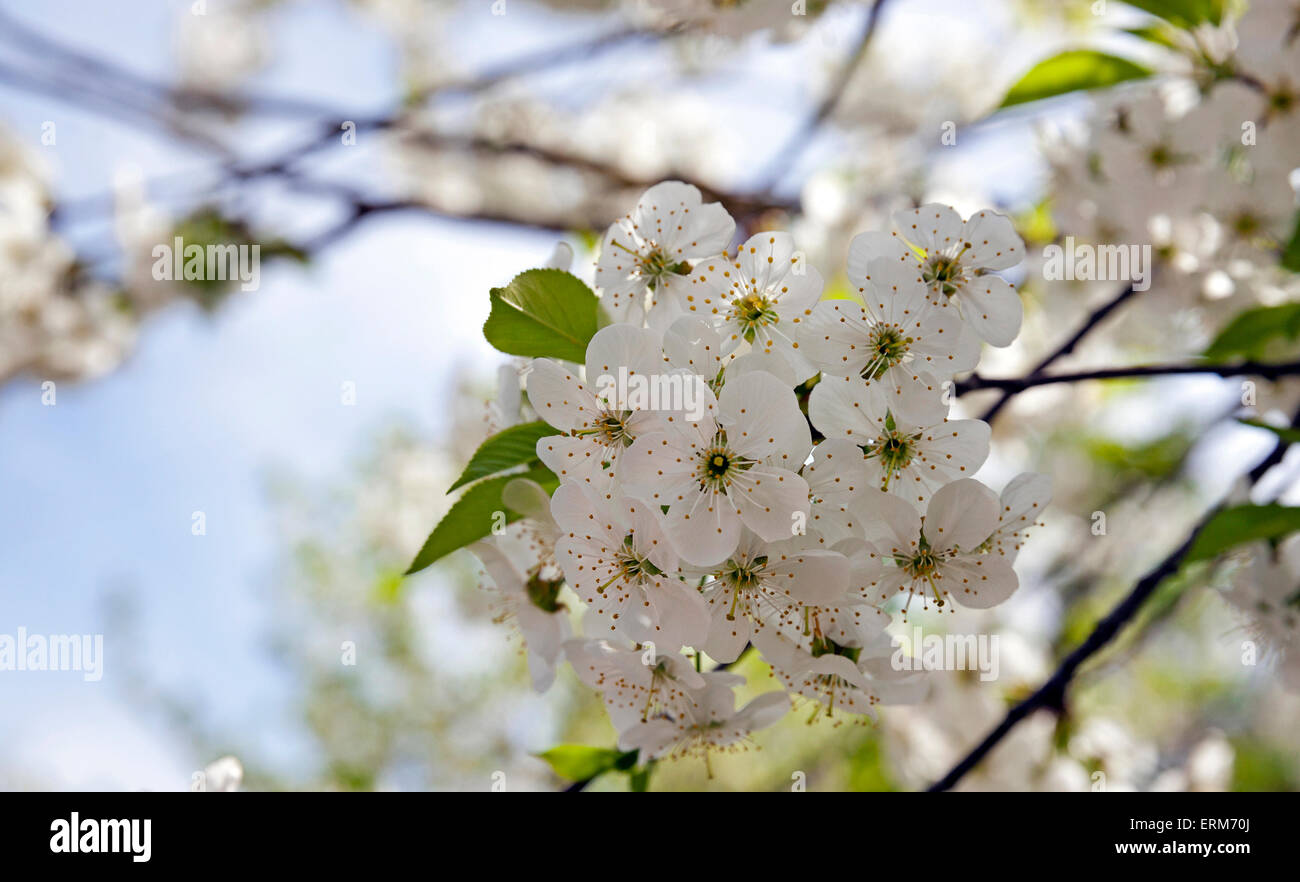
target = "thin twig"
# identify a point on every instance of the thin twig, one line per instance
(794, 146)
(1096, 317)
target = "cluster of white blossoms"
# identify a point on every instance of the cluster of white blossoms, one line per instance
(1201, 168)
(742, 462)
(56, 320)
(1207, 174)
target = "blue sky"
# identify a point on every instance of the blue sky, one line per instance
(96, 493)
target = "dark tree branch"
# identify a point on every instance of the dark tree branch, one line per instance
(1051, 695)
(1012, 385)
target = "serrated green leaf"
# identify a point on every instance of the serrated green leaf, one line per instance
(1072, 71)
(1183, 13)
(1240, 524)
(506, 449)
(1252, 333)
(578, 762)
(543, 313)
(471, 517)
(1286, 433)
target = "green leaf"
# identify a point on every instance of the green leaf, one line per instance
(1070, 72)
(543, 313)
(1291, 253)
(1243, 523)
(472, 516)
(1183, 13)
(508, 448)
(578, 762)
(1251, 333)
(1286, 433)
(1160, 35)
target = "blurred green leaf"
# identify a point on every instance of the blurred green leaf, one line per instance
(1260, 767)
(508, 448)
(1250, 334)
(868, 768)
(1240, 524)
(1159, 35)
(543, 313)
(1183, 13)
(1037, 225)
(472, 516)
(1291, 253)
(578, 762)
(1151, 460)
(388, 587)
(1072, 71)
(1286, 433)
(207, 229)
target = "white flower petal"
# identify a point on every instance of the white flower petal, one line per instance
(703, 528)
(979, 582)
(993, 308)
(770, 501)
(559, 397)
(961, 515)
(994, 243)
(933, 227)
(868, 247)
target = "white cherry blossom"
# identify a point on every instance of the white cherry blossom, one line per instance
(835, 475)
(938, 555)
(718, 474)
(898, 343)
(767, 585)
(759, 297)
(598, 428)
(697, 531)
(646, 256)
(1023, 501)
(711, 724)
(957, 259)
(528, 596)
(900, 456)
(615, 556)
(1267, 591)
(637, 685)
(850, 678)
